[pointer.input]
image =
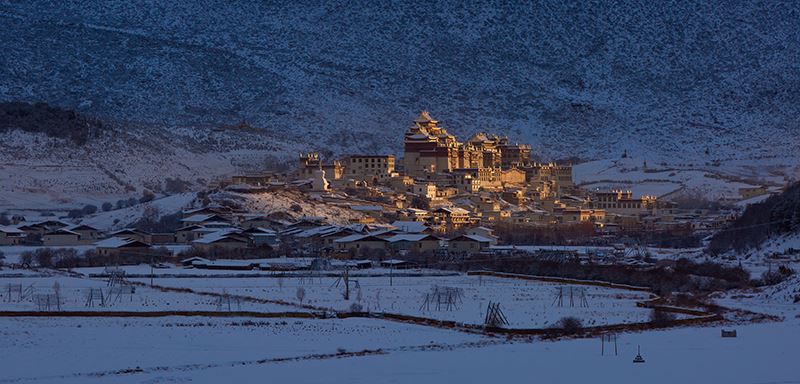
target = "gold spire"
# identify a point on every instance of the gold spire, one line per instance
(425, 117)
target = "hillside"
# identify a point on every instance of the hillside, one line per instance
(770, 224)
(656, 79)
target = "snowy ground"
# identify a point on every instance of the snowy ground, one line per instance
(526, 304)
(41, 350)
(212, 350)
(13, 252)
(217, 351)
(74, 296)
(665, 178)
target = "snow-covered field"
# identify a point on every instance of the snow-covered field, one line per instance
(74, 294)
(72, 350)
(665, 178)
(226, 350)
(214, 349)
(526, 304)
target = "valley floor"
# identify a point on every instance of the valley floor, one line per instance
(203, 349)
(333, 351)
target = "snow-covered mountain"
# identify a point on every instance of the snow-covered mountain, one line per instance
(659, 79)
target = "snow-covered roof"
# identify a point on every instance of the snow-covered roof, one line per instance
(409, 237)
(394, 262)
(11, 230)
(81, 227)
(350, 239)
(202, 218)
(117, 242)
(410, 226)
(358, 237)
(382, 231)
(62, 231)
(324, 230)
(127, 231)
(218, 236)
(477, 238)
(454, 210)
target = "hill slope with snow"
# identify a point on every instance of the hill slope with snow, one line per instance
(656, 79)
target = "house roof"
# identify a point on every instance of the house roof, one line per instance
(128, 231)
(78, 227)
(202, 218)
(453, 210)
(394, 262)
(62, 231)
(11, 230)
(119, 242)
(358, 237)
(413, 237)
(216, 237)
(318, 231)
(477, 238)
(189, 227)
(410, 226)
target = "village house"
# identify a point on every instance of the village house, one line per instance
(209, 210)
(187, 234)
(425, 190)
(514, 196)
(262, 237)
(412, 227)
(205, 219)
(414, 214)
(622, 202)
(414, 242)
(61, 237)
(261, 221)
(88, 234)
(11, 236)
(116, 246)
(468, 244)
(371, 168)
(452, 217)
(483, 232)
(221, 240)
(40, 228)
(558, 176)
(133, 234)
(579, 215)
(311, 162)
(361, 242)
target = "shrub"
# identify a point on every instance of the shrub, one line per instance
(89, 209)
(570, 325)
(301, 294)
(75, 213)
(660, 317)
(4, 219)
(356, 307)
(26, 258)
(778, 276)
(147, 195)
(107, 206)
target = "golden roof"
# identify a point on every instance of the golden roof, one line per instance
(425, 117)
